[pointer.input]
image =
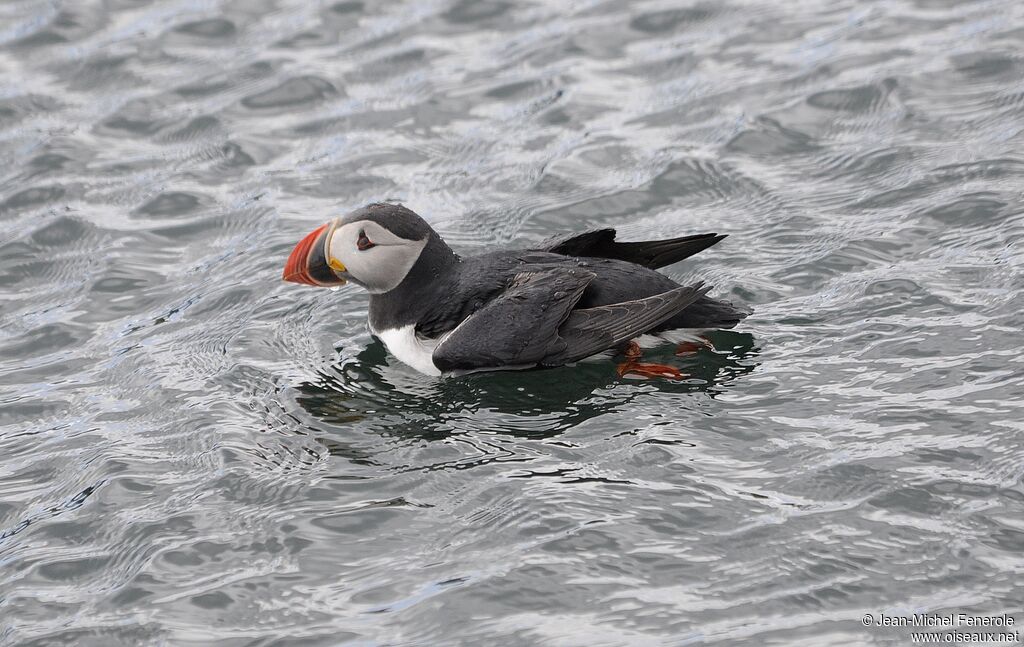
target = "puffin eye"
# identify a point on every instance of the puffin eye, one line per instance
(363, 243)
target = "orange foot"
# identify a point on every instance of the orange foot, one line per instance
(634, 367)
(690, 347)
(645, 371)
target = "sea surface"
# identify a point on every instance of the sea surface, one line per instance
(193, 452)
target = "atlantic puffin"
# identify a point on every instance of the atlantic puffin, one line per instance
(558, 302)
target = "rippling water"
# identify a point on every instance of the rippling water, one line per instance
(193, 452)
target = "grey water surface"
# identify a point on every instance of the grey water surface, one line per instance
(194, 453)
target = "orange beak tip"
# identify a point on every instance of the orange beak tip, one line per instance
(296, 268)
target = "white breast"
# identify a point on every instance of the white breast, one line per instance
(410, 348)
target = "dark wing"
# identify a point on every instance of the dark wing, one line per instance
(651, 253)
(591, 330)
(534, 322)
(517, 328)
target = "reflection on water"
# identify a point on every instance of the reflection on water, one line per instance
(536, 403)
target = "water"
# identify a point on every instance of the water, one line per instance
(193, 452)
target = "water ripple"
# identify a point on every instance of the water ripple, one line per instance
(192, 451)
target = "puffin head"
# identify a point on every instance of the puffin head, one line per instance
(374, 247)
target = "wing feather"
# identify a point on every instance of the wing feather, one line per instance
(591, 330)
(518, 328)
(651, 253)
(535, 321)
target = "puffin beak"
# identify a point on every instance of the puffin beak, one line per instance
(310, 263)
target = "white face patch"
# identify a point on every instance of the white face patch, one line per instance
(379, 268)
